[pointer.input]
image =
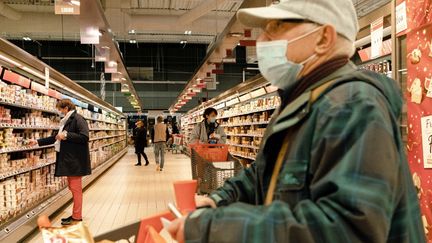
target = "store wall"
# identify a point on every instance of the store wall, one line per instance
(419, 103)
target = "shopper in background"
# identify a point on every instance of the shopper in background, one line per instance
(209, 131)
(176, 128)
(73, 155)
(141, 142)
(332, 166)
(159, 138)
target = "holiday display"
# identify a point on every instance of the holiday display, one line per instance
(419, 105)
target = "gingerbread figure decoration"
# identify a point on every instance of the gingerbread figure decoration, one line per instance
(415, 56)
(416, 91)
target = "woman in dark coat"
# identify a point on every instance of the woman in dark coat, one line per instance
(140, 137)
(73, 155)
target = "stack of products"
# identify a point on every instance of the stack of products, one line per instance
(21, 118)
(379, 67)
(16, 140)
(13, 162)
(18, 95)
(21, 192)
(253, 106)
(101, 155)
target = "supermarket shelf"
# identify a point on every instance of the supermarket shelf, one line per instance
(28, 107)
(242, 156)
(243, 146)
(107, 145)
(4, 125)
(104, 129)
(98, 120)
(21, 171)
(245, 135)
(247, 113)
(22, 226)
(246, 124)
(93, 139)
(2, 151)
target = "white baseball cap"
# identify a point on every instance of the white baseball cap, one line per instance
(341, 14)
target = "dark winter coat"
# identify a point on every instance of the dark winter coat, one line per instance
(74, 156)
(140, 138)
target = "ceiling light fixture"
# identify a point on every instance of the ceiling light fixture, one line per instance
(183, 42)
(26, 38)
(132, 41)
(132, 31)
(188, 32)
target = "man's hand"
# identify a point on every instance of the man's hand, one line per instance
(213, 135)
(32, 142)
(61, 136)
(202, 201)
(176, 229)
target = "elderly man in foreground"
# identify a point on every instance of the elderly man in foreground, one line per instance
(332, 166)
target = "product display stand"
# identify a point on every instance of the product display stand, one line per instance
(244, 113)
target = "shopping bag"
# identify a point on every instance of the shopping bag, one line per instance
(155, 222)
(152, 236)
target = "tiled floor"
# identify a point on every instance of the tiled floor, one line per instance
(127, 193)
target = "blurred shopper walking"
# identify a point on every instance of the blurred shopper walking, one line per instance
(140, 137)
(159, 138)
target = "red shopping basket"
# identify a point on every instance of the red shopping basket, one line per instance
(206, 162)
(212, 152)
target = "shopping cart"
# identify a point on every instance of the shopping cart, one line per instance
(177, 145)
(211, 165)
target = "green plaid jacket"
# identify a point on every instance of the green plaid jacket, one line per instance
(345, 177)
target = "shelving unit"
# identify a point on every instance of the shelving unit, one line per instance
(27, 111)
(244, 113)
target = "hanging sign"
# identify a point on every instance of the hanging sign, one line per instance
(67, 7)
(401, 17)
(377, 32)
(426, 128)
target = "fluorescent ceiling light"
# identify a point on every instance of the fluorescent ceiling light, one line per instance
(188, 32)
(4, 58)
(183, 42)
(132, 31)
(132, 41)
(26, 38)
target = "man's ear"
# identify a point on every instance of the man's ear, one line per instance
(326, 40)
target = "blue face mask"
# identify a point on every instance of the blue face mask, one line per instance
(274, 65)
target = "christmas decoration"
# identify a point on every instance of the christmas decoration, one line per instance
(416, 91)
(419, 80)
(415, 56)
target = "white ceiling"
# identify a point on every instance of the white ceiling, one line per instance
(152, 20)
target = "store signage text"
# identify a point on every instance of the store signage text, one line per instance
(401, 17)
(377, 32)
(426, 127)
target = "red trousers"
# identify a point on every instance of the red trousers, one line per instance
(75, 186)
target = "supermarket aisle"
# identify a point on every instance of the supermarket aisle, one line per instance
(127, 193)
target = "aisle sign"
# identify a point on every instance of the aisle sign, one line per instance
(377, 31)
(401, 17)
(426, 128)
(16, 78)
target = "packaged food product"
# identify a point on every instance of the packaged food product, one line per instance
(73, 233)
